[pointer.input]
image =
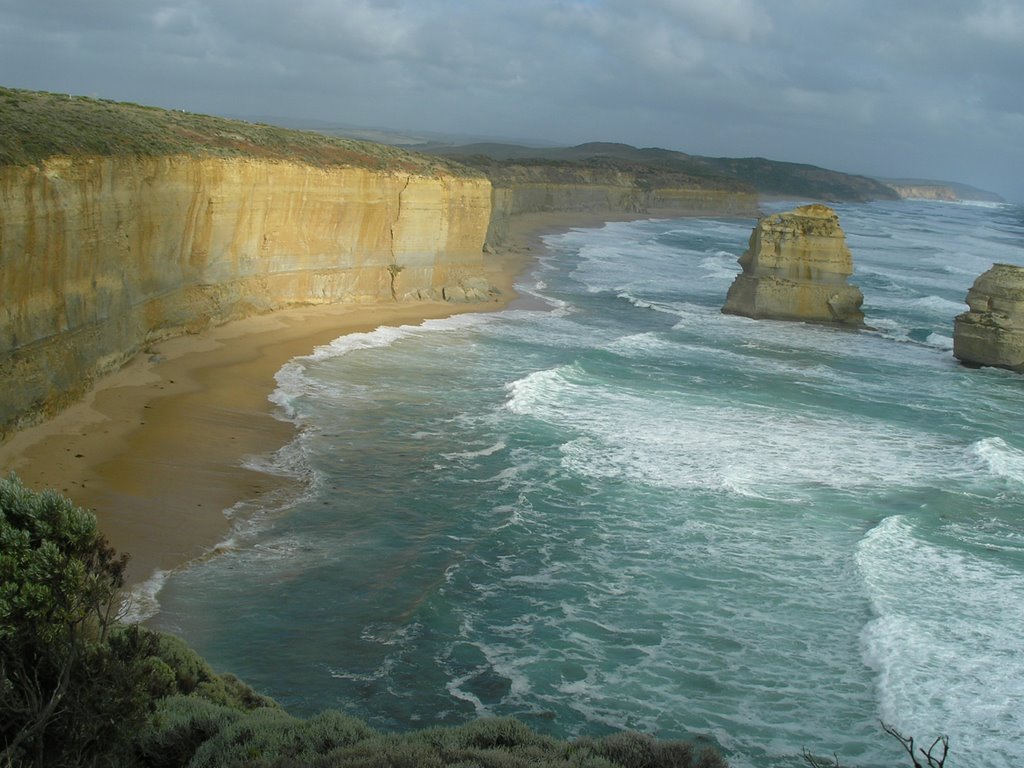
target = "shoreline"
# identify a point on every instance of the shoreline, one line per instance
(157, 449)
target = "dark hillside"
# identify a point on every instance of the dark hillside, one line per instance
(768, 177)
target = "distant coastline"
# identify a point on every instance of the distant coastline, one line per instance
(947, 191)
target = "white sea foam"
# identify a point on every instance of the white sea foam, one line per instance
(670, 441)
(488, 451)
(141, 602)
(941, 663)
(939, 306)
(381, 337)
(983, 204)
(639, 344)
(667, 308)
(247, 517)
(720, 267)
(1001, 459)
(294, 380)
(940, 341)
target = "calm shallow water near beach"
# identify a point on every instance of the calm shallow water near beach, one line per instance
(628, 510)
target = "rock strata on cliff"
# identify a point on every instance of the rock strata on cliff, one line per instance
(795, 268)
(100, 256)
(991, 332)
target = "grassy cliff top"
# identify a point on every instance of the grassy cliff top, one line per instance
(36, 125)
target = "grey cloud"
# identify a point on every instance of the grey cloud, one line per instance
(917, 87)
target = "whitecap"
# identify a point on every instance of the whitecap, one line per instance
(141, 602)
(481, 453)
(667, 440)
(667, 308)
(940, 341)
(383, 336)
(939, 306)
(638, 344)
(1001, 459)
(942, 663)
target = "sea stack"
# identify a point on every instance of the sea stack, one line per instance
(991, 332)
(795, 268)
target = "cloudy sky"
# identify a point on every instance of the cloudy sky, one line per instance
(902, 88)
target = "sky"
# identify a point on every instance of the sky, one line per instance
(892, 88)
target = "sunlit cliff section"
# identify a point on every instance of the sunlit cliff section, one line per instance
(122, 224)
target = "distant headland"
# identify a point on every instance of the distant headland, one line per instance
(947, 191)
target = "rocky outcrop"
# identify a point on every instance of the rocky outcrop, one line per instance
(795, 268)
(99, 256)
(991, 332)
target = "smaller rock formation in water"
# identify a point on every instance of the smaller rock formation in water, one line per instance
(795, 268)
(991, 332)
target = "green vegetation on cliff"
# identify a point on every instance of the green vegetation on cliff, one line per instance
(35, 126)
(506, 165)
(768, 177)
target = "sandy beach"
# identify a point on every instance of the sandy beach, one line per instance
(157, 449)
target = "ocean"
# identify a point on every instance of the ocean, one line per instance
(611, 506)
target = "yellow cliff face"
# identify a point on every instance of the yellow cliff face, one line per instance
(925, 192)
(98, 256)
(533, 190)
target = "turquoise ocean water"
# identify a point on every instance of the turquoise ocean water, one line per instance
(611, 506)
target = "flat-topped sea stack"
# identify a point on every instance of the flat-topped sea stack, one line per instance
(796, 268)
(991, 332)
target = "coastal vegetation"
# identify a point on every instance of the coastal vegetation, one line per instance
(767, 177)
(36, 125)
(80, 688)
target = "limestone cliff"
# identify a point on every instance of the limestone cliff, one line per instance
(795, 268)
(946, 191)
(520, 189)
(991, 332)
(925, 192)
(100, 255)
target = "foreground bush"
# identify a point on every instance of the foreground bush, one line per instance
(77, 688)
(270, 738)
(64, 693)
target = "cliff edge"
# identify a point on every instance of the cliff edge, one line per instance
(991, 332)
(121, 224)
(795, 268)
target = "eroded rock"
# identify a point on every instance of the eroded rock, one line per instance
(101, 256)
(796, 268)
(991, 332)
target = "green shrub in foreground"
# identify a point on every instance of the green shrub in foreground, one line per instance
(180, 725)
(269, 738)
(77, 688)
(64, 694)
